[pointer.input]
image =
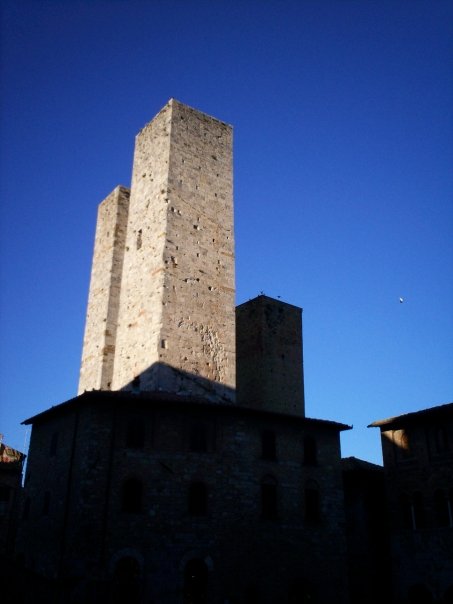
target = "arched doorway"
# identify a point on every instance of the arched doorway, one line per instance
(419, 594)
(195, 582)
(126, 581)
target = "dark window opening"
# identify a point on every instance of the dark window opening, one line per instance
(269, 499)
(252, 595)
(198, 438)
(135, 435)
(406, 512)
(302, 591)
(442, 443)
(419, 594)
(441, 508)
(53, 444)
(126, 581)
(419, 511)
(198, 499)
(4, 500)
(195, 582)
(132, 496)
(46, 504)
(268, 445)
(26, 509)
(312, 503)
(310, 451)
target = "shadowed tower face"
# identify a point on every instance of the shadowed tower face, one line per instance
(175, 326)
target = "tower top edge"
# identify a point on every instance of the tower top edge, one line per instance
(172, 102)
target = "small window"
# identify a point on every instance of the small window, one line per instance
(135, 434)
(198, 438)
(441, 505)
(442, 443)
(268, 445)
(407, 520)
(310, 451)
(126, 581)
(269, 499)
(195, 582)
(46, 504)
(312, 502)
(4, 500)
(26, 509)
(419, 511)
(198, 499)
(132, 496)
(53, 444)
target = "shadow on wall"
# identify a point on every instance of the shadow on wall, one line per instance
(160, 377)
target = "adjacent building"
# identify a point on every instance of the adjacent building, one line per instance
(418, 462)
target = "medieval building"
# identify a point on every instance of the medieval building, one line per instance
(185, 471)
(418, 461)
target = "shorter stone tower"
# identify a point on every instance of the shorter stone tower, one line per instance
(270, 356)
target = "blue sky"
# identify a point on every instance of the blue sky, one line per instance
(343, 121)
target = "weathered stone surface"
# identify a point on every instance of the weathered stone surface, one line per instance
(174, 328)
(270, 355)
(98, 354)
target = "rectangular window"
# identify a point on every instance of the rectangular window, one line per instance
(269, 501)
(268, 445)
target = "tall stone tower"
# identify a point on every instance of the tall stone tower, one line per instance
(162, 284)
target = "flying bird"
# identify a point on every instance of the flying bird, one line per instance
(401, 300)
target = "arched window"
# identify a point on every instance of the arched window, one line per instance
(268, 445)
(46, 504)
(441, 508)
(310, 451)
(198, 499)
(4, 499)
(26, 509)
(312, 502)
(252, 595)
(198, 438)
(419, 511)
(442, 443)
(195, 582)
(53, 444)
(132, 496)
(419, 594)
(135, 434)
(407, 520)
(269, 507)
(126, 581)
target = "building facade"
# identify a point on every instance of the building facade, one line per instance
(164, 481)
(418, 462)
(179, 500)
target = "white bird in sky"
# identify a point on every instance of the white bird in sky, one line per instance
(401, 300)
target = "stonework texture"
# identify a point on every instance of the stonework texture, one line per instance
(86, 530)
(418, 461)
(98, 355)
(174, 327)
(270, 355)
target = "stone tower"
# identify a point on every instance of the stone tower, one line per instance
(270, 369)
(161, 303)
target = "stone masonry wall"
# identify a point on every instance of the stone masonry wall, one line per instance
(103, 302)
(270, 356)
(86, 531)
(177, 294)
